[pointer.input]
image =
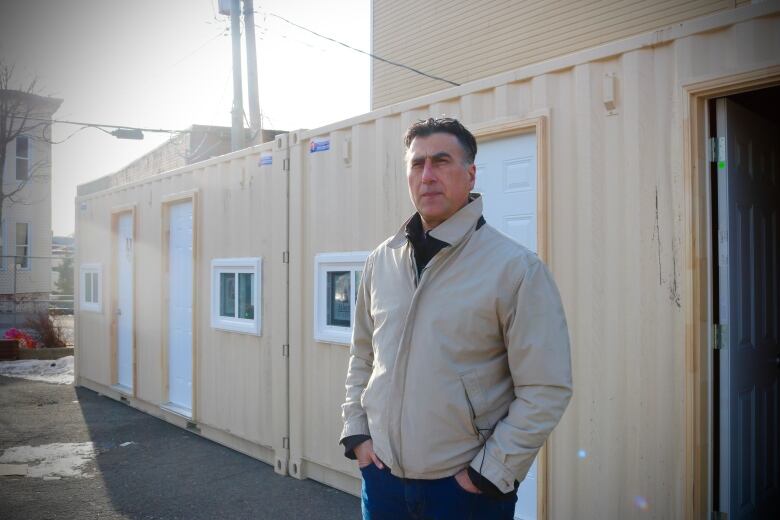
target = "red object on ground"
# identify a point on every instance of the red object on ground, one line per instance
(25, 340)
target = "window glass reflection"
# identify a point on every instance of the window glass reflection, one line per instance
(88, 288)
(338, 299)
(227, 294)
(246, 309)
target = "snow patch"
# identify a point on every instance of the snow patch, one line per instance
(61, 459)
(7, 470)
(59, 371)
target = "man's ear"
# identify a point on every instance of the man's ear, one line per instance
(472, 170)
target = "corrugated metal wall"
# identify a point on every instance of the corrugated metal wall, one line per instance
(240, 383)
(462, 40)
(616, 230)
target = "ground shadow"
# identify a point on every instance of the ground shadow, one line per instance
(164, 473)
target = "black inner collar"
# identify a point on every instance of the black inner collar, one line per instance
(425, 246)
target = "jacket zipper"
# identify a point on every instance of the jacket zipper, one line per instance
(417, 280)
(414, 267)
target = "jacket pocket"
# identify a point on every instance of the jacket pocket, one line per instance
(475, 399)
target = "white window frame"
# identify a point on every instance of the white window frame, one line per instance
(323, 263)
(84, 304)
(28, 246)
(237, 265)
(28, 158)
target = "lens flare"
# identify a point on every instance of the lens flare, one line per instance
(582, 454)
(641, 503)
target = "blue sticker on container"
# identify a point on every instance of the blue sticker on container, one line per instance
(266, 159)
(319, 144)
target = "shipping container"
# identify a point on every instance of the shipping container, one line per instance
(608, 162)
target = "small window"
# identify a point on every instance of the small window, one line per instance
(22, 158)
(91, 284)
(337, 278)
(236, 294)
(22, 245)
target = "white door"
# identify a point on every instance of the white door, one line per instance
(124, 319)
(748, 270)
(180, 308)
(506, 176)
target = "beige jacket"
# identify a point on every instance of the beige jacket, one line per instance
(468, 365)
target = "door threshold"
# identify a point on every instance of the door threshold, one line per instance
(122, 389)
(177, 409)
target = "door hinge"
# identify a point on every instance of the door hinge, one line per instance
(719, 515)
(286, 350)
(712, 150)
(286, 164)
(285, 257)
(286, 443)
(720, 338)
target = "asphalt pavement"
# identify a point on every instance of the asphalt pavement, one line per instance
(163, 473)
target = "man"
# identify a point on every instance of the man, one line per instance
(459, 364)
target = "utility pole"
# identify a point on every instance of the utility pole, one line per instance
(237, 131)
(255, 122)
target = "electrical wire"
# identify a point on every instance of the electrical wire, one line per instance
(71, 135)
(223, 32)
(101, 126)
(374, 56)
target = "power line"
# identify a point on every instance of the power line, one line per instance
(221, 33)
(374, 56)
(122, 132)
(71, 135)
(124, 128)
(101, 126)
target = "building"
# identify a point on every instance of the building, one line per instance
(25, 266)
(194, 144)
(643, 169)
(463, 41)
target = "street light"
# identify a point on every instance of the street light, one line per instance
(128, 133)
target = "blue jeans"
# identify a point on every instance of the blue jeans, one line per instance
(387, 497)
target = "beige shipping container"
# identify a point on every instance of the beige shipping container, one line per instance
(623, 218)
(238, 379)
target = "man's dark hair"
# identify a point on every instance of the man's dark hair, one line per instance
(447, 125)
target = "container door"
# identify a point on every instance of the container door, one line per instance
(180, 309)
(748, 194)
(506, 175)
(124, 311)
(507, 178)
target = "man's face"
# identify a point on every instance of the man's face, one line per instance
(439, 181)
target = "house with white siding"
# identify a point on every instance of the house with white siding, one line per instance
(25, 230)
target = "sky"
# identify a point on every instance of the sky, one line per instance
(167, 64)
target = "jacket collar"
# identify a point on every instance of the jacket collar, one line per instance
(452, 230)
